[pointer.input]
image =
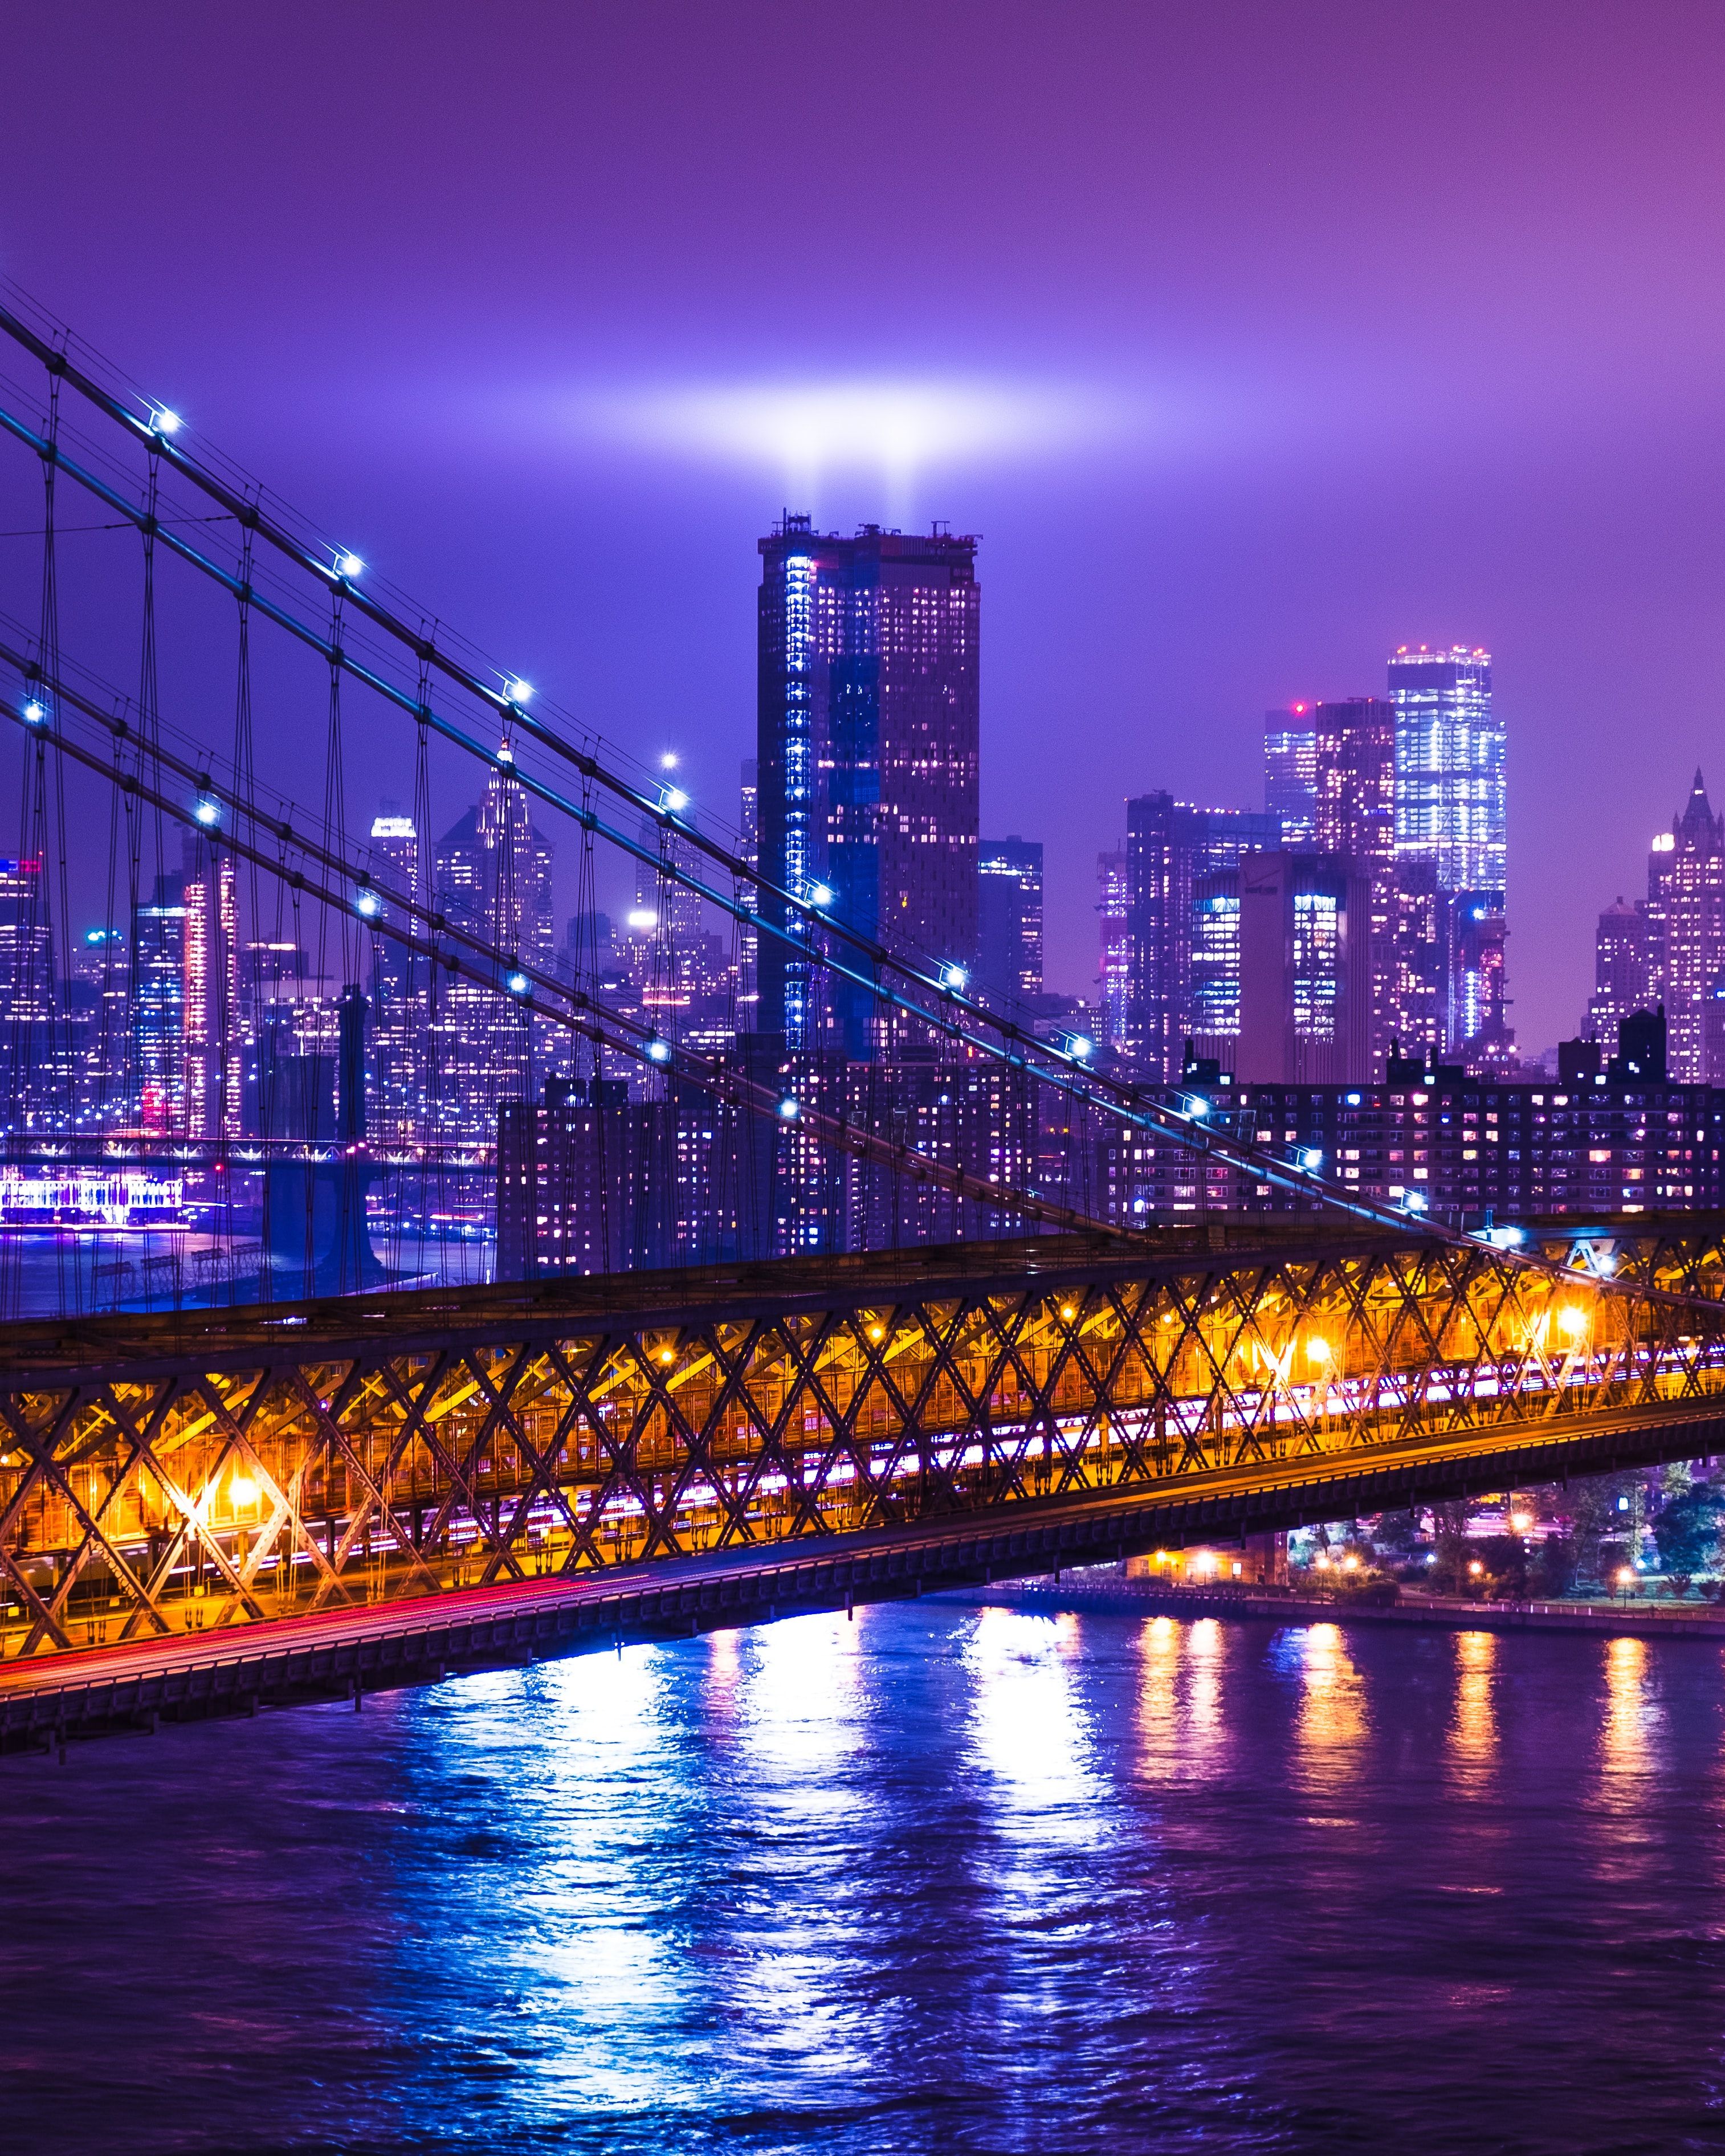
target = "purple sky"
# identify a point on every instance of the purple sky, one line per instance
(1255, 340)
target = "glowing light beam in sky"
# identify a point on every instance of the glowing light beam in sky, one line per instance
(893, 428)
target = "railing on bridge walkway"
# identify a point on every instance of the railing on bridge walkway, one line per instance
(213, 1472)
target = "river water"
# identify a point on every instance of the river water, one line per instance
(941, 1879)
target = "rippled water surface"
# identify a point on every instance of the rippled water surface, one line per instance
(941, 1879)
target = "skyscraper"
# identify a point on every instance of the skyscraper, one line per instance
(1622, 981)
(491, 876)
(1009, 918)
(1353, 778)
(1170, 846)
(748, 941)
(1305, 970)
(1355, 768)
(211, 1006)
(1686, 909)
(1450, 802)
(1114, 906)
(866, 762)
(401, 986)
(1290, 772)
(1451, 818)
(158, 1008)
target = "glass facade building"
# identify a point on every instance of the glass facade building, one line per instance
(1451, 799)
(1009, 918)
(1290, 772)
(1170, 847)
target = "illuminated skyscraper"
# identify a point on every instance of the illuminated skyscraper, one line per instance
(1009, 918)
(1451, 799)
(1686, 909)
(1290, 772)
(1305, 970)
(401, 984)
(1353, 778)
(867, 763)
(1622, 981)
(211, 1003)
(749, 942)
(1114, 905)
(1452, 818)
(491, 875)
(157, 1070)
(1171, 846)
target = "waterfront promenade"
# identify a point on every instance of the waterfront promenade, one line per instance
(1293, 1605)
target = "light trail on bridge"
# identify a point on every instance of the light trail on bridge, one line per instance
(780, 1434)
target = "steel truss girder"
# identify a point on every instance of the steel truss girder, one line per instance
(210, 1483)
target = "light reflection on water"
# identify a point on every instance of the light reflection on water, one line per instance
(1331, 1726)
(941, 1878)
(1473, 1725)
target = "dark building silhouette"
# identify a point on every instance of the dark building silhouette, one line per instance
(1009, 918)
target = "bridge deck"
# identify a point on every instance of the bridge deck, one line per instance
(771, 1435)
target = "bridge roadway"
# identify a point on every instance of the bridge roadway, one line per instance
(229, 1510)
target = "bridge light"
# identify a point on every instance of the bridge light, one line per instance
(518, 984)
(1574, 1321)
(518, 692)
(1311, 1159)
(164, 422)
(822, 895)
(658, 1051)
(954, 977)
(1197, 1109)
(667, 1354)
(1414, 1201)
(1068, 1312)
(208, 810)
(676, 800)
(877, 1332)
(349, 565)
(367, 904)
(1080, 1047)
(1318, 1350)
(641, 917)
(668, 761)
(35, 714)
(788, 1109)
(242, 1491)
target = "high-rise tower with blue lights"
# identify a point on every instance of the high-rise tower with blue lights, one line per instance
(866, 764)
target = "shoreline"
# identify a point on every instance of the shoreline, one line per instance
(1128, 1599)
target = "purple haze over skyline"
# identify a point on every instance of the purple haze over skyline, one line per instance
(1254, 341)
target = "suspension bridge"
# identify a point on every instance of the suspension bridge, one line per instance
(327, 1455)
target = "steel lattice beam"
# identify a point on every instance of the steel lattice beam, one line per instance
(215, 1472)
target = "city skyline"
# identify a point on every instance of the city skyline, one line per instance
(1292, 457)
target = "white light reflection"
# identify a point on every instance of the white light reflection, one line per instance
(596, 1900)
(800, 1699)
(1028, 1729)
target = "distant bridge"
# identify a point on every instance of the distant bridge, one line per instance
(209, 1512)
